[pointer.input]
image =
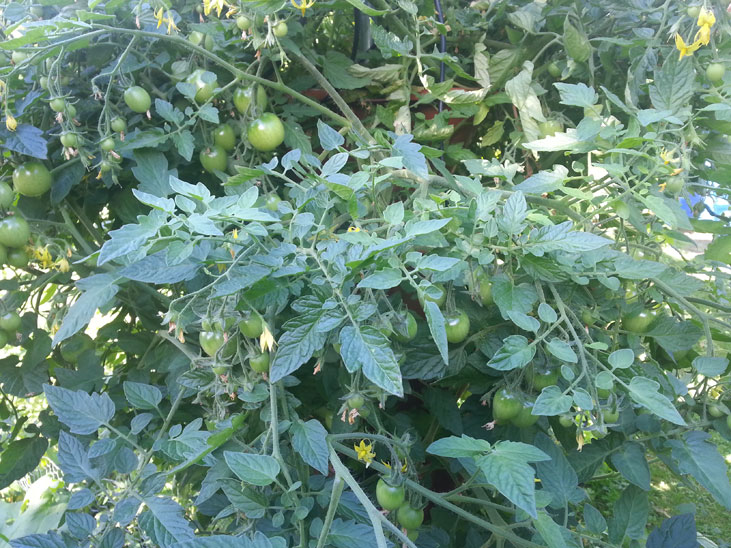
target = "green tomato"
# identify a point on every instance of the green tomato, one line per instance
(18, 57)
(457, 325)
(715, 411)
(505, 405)
(260, 362)
(272, 202)
(355, 401)
(220, 369)
(137, 99)
(693, 11)
(57, 104)
(610, 416)
(266, 132)
(622, 210)
(14, 231)
(209, 43)
(71, 349)
(18, 258)
(544, 378)
(439, 297)
(245, 95)
(525, 417)
(10, 322)
(566, 420)
(409, 517)
(550, 128)
(603, 393)
(211, 341)
(32, 179)
(674, 185)
(70, 140)
(252, 326)
(7, 196)
(196, 37)
(715, 72)
(281, 29)
(71, 110)
(43, 82)
(640, 322)
(243, 22)
(486, 292)
(405, 328)
(213, 159)
(108, 144)
(204, 83)
(119, 124)
(224, 137)
(390, 497)
(554, 70)
(412, 535)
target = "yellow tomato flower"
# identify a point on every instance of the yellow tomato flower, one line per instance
(62, 265)
(683, 48)
(353, 229)
(304, 6)
(266, 340)
(218, 5)
(703, 36)
(706, 18)
(365, 452)
(404, 466)
(43, 257)
(10, 122)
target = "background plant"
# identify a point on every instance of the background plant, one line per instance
(342, 257)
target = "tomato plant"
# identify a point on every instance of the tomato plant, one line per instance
(264, 258)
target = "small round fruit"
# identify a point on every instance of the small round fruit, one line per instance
(107, 144)
(544, 378)
(211, 341)
(603, 393)
(355, 401)
(196, 37)
(693, 11)
(281, 29)
(71, 349)
(32, 179)
(505, 405)
(457, 326)
(204, 82)
(243, 22)
(715, 411)
(245, 95)
(409, 517)
(18, 258)
(272, 202)
(525, 416)
(566, 420)
(119, 124)
(554, 70)
(14, 231)
(412, 535)
(224, 137)
(486, 293)
(71, 110)
(715, 72)
(252, 326)
(105, 167)
(260, 362)
(209, 43)
(214, 159)
(10, 322)
(18, 57)
(137, 99)
(390, 497)
(266, 132)
(57, 104)
(640, 322)
(674, 185)
(70, 140)
(43, 82)
(550, 128)
(405, 329)
(439, 300)
(220, 369)
(621, 209)
(7, 196)
(610, 416)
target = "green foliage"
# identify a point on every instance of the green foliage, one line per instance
(305, 238)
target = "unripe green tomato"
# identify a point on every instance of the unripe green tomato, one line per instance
(412, 535)
(715, 411)
(355, 401)
(390, 497)
(266, 132)
(107, 144)
(209, 43)
(566, 421)
(544, 378)
(505, 405)
(550, 128)
(7, 196)
(224, 137)
(43, 82)
(119, 124)
(622, 210)
(58, 104)
(32, 179)
(220, 369)
(203, 89)
(405, 330)
(674, 185)
(525, 417)
(213, 159)
(71, 349)
(137, 99)
(715, 72)
(14, 231)
(640, 322)
(260, 362)
(457, 326)
(281, 29)
(18, 258)
(211, 341)
(603, 393)
(70, 140)
(554, 70)
(486, 293)
(105, 166)
(439, 300)
(693, 11)
(272, 202)
(243, 97)
(610, 416)
(252, 326)
(196, 37)
(71, 111)
(409, 517)
(243, 22)
(18, 57)
(10, 322)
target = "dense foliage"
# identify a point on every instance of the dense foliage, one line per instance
(361, 273)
